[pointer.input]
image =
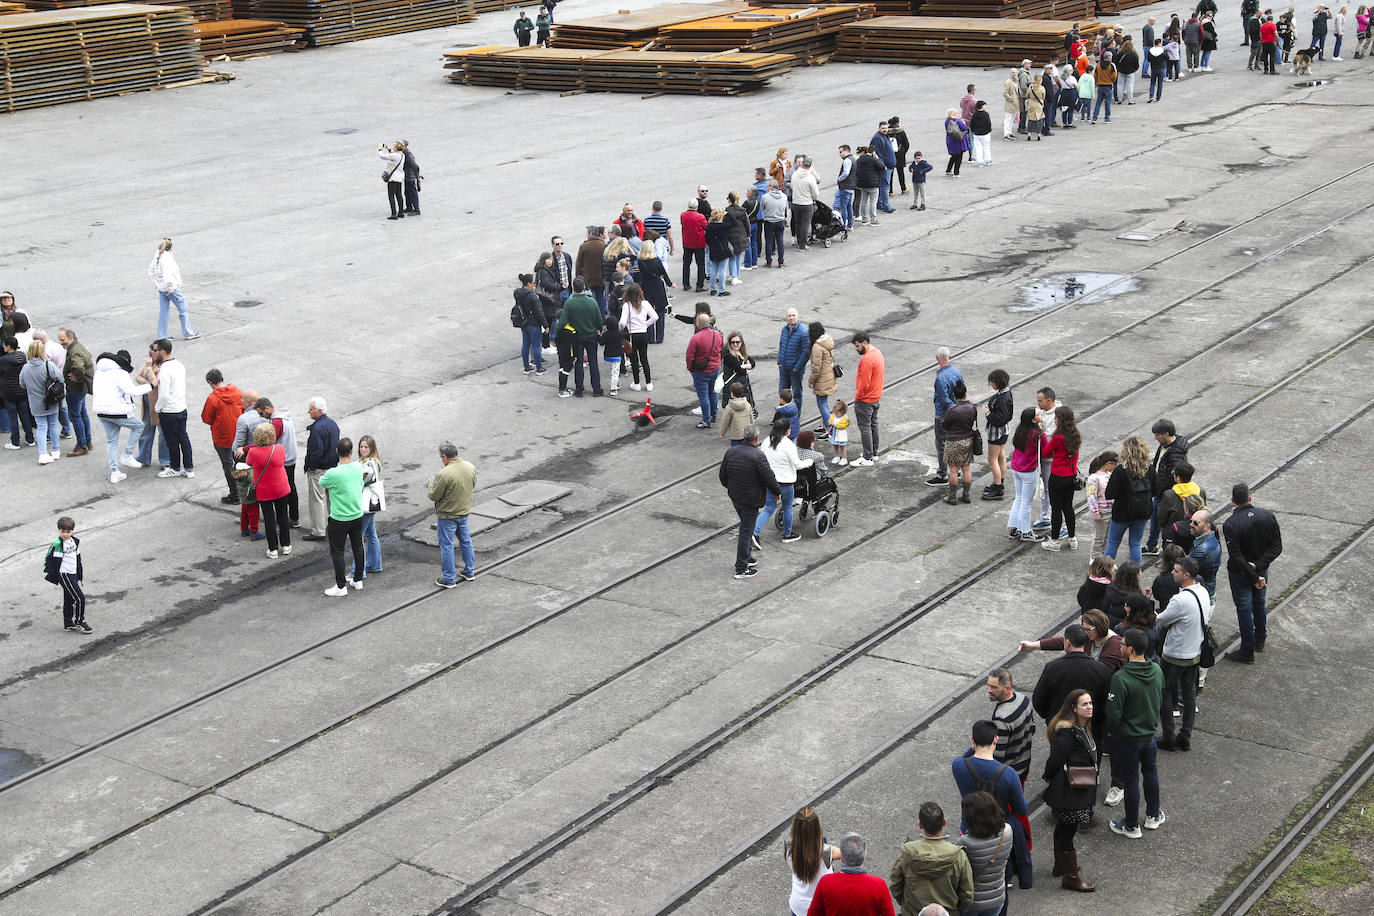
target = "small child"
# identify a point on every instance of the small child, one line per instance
(736, 415)
(613, 343)
(1098, 504)
(839, 432)
(62, 566)
(919, 167)
(1092, 593)
(788, 410)
(1171, 49)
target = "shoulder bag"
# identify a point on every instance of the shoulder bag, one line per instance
(53, 389)
(1209, 640)
(1081, 777)
(977, 444)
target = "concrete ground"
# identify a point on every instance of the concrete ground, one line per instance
(514, 726)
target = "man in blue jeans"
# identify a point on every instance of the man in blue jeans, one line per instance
(1253, 542)
(1133, 701)
(1104, 77)
(794, 352)
(887, 155)
(451, 492)
(746, 475)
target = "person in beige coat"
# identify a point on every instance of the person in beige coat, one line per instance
(1011, 95)
(1035, 108)
(736, 415)
(822, 379)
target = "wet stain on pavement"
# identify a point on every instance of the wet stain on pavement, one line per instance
(14, 762)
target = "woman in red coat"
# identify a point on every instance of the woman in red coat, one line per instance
(268, 461)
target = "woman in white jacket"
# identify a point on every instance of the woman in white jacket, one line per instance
(782, 457)
(635, 320)
(115, 394)
(394, 174)
(166, 277)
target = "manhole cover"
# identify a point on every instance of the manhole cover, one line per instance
(247, 303)
(343, 130)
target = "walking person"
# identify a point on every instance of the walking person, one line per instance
(344, 484)
(166, 277)
(62, 566)
(523, 28)
(267, 458)
(394, 177)
(1071, 794)
(321, 454)
(1133, 702)
(451, 492)
(374, 501)
(1062, 451)
(1253, 543)
(868, 392)
(115, 393)
(999, 411)
(747, 476)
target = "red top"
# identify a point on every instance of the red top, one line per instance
(693, 229)
(1269, 32)
(269, 470)
(1062, 464)
(868, 381)
(221, 412)
(844, 894)
(705, 345)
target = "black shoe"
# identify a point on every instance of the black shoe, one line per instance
(1166, 744)
(754, 540)
(936, 480)
(84, 627)
(1241, 656)
(789, 538)
(229, 500)
(992, 491)
(393, 217)
(749, 573)
(1183, 744)
(444, 584)
(72, 628)
(1150, 551)
(1259, 645)
(466, 576)
(311, 536)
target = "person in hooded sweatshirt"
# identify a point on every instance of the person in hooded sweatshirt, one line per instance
(34, 378)
(1133, 701)
(115, 395)
(773, 212)
(932, 869)
(822, 379)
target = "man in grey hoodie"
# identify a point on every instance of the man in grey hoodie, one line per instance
(773, 212)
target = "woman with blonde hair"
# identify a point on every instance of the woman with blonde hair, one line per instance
(809, 858)
(166, 277)
(717, 251)
(956, 141)
(1132, 498)
(374, 501)
(35, 378)
(267, 458)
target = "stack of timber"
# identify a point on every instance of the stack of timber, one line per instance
(1112, 7)
(634, 28)
(964, 42)
(623, 70)
(1011, 9)
(202, 10)
(57, 56)
(8, 8)
(240, 38)
(883, 7)
(330, 22)
(807, 32)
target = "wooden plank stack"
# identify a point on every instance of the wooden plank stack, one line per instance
(964, 42)
(623, 70)
(9, 8)
(634, 28)
(806, 32)
(202, 10)
(329, 22)
(882, 7)
(56, 56)
(1011, 9)
(1112, 7)
(241, 38)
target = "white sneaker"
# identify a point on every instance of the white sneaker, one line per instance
(649, 386)
(1073, 543)
(1209, 70)
(634, 386)
(1154, 823)
(1114, 796)
(272, 554)
(696, 410)
(862, 462)
(168, 472)
(286, 551)
(11, 445)
(188, 473)
(57, 454)
(45, 459)
(117, 476)
(736, 281)
(335, 592)
(835, 460)
(130, 462)
(844, 461)
(357, 586)
(1049, 544)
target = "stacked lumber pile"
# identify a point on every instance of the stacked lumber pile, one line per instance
(57, 56)
(623, 70)
(634, 28)
(806, 32)
(8, 8)
(202, 10)
(883, 7)
(241, 38)
(329, 22)
(966, 42)
(1012, 9)
(1112, 7)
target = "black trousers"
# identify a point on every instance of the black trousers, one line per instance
(639, 356)
(1061, 504)
(178, 443)
(566, 358)
(226, 463)
(276, 522)
(689, 255)
(293, 503)
(901, 172)
(339, 533)
(955, 160)
(395, 196)
(412, 196)
(73, 600)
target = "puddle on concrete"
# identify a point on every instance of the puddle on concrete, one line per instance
(14, 763)
(1087, 288)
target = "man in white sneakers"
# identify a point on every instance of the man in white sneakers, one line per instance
(171, 410)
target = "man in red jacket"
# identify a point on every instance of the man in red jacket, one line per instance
(703, 361)
(851, 891)
(221, 414)
(868, 391)
(693, 247)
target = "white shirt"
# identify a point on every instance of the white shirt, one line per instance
(165, 273)
(1047, 424)
(171, 387)
(784, 459)
(55, 354)
(68, 557)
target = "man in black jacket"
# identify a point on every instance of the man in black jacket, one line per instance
(412, 173)
(1249, 9)
(745, 473)
(1172, 449)
(321, 454)
(1252, 543)
(1076, 669)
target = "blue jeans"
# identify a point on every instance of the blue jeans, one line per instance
(844, 207)
(1153, 540)
(735, 260)
(1104, 97)
(1132, 759)
(823, 405)
(599, 294)
(19, 418)
(1156, 85)
(81, 421)
(112, 428)
(164, 302)
(704, 383)
(372, 545)
(63, 419)
(1250, 612)
(531, 335)
(792, 379)
(751, 257)
(1024, 482)
(145, 447)
(1085, 108)
(744, 550)
(716, 272)
(1066, 114)
(47, 432)
(771, 506)
(882, 190)
(1115, 530)
(447, 528)
(1207, 58)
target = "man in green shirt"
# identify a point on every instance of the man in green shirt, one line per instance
(451, 491)
(344, 484)
(583, 316)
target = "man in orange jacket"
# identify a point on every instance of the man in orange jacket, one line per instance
(868, 391)
(221, 413)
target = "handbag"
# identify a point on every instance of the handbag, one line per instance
(1209, 641)
(1081, 777)
(952, 131)
(53, 389)
(976, 446)
(837, 369)
(387, 176)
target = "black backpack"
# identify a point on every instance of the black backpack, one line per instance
(517, 317)
(1140, 499)
(983, 784)
(53, 391)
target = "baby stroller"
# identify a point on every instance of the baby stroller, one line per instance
(820, 498)
(825, 225)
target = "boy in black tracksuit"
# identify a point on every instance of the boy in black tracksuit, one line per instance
(62, 566)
